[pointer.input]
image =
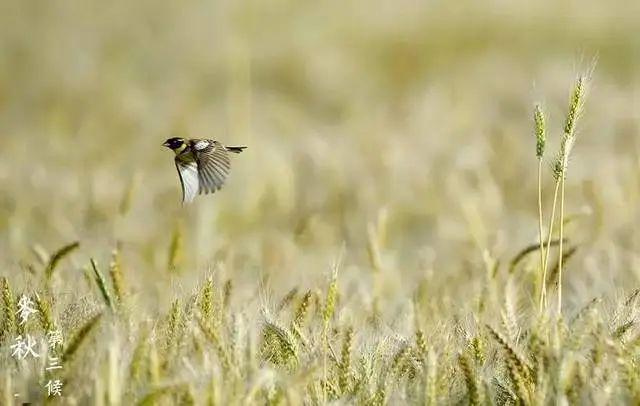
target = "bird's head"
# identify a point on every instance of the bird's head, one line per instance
(174, 143)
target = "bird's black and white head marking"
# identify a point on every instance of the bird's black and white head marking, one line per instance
(174, 143)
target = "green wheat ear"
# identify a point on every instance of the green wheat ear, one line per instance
(421, 344)
(345, 374)
(282, 341)
(174, 320)
(9, 304)
(330, 301)
(206, 300)
(575, 106)
(115, 272)
(79, 337)
(44, 313)
(540, 130)
(517, 366)
(102, 284)
(302, 309)
(470, 379)
(59, 256)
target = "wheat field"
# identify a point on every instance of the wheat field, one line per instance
(438, 204)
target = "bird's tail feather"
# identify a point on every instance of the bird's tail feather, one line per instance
(236, 150)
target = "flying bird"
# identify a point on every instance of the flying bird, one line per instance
(203, 165)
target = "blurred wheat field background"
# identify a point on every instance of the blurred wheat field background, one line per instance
(362, 249)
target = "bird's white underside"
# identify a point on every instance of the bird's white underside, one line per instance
(189, 174)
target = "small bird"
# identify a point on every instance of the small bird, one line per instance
(203, 165)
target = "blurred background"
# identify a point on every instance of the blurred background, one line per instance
(411, 119)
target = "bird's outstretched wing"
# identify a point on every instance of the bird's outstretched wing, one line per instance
(213, 164)
(188, 172)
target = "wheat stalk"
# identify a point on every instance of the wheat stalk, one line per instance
(541, 139)
(575, 111)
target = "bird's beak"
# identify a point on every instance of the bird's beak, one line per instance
(165, 144)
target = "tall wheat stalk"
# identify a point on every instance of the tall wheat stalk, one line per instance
(559, 171)
(550, 232)
(540, 132)
(568, 140)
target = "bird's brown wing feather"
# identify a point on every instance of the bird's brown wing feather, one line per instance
(213, 164)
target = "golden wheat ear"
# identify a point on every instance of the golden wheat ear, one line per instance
(236, 150)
